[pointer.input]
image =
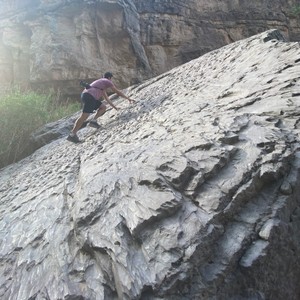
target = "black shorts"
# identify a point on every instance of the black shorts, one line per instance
(90, 104)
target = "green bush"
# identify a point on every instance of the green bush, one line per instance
(21, 113)
(296, 10)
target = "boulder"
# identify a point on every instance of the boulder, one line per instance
(191, 193)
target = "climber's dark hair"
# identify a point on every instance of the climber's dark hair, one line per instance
(108, 75)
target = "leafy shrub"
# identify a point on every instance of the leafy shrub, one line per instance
(21, 113)
(296, 10)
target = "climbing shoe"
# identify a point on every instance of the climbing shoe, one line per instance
(73, 138)
(94, 124)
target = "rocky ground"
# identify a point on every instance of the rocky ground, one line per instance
(191, 193)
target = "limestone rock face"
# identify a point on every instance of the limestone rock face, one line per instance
(191, 193)
(55, 43)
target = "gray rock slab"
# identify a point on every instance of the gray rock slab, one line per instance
(191, 193)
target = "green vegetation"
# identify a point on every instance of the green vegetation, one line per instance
(296, 10)
(21, 113)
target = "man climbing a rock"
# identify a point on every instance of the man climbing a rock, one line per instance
(91, 99)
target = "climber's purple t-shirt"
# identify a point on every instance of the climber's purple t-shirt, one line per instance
(98, 87)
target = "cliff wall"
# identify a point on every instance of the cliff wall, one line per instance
(48, 43)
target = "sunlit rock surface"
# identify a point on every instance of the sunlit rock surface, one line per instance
(191, 193)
